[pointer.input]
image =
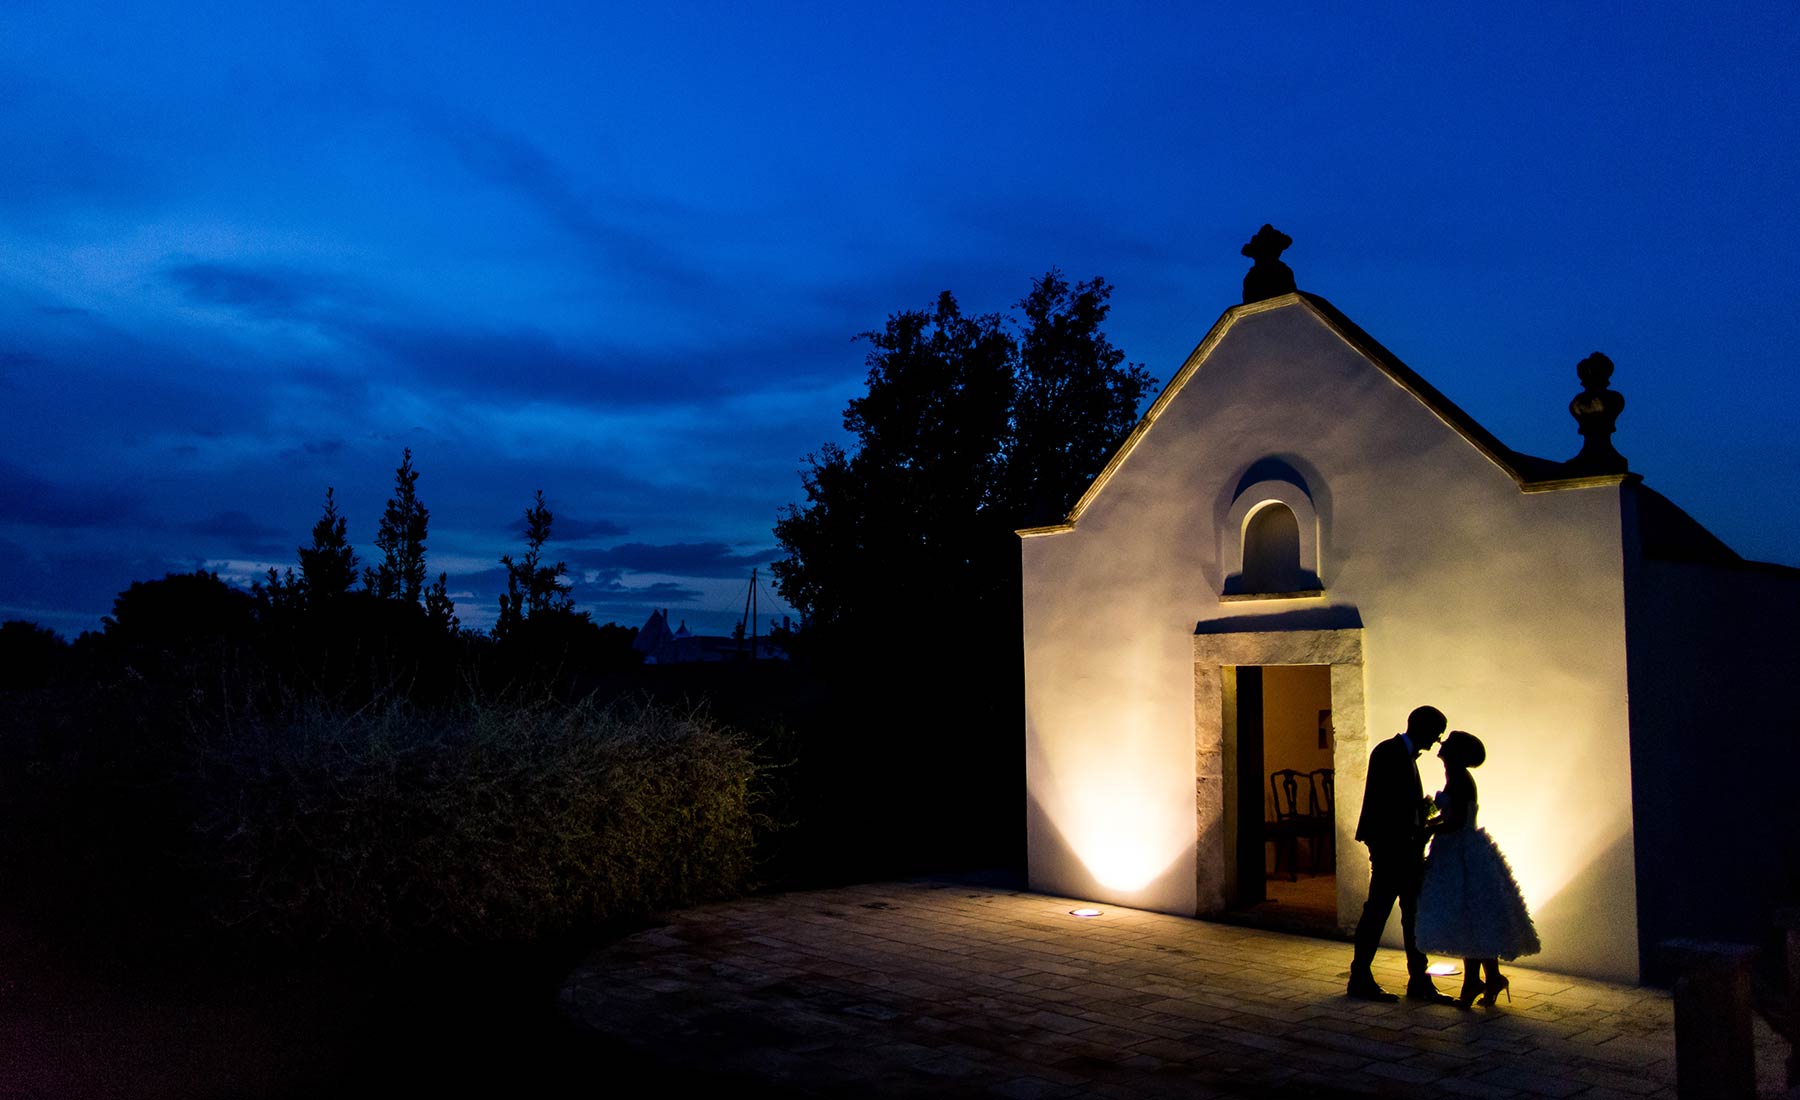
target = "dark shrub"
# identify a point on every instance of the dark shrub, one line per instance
(181, 613)
(561, 652)
(490, 822)
(96, 807)
(30, 655)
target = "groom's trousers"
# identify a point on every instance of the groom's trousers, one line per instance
(1395, 872)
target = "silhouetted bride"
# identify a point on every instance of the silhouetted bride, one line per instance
(1469, 904)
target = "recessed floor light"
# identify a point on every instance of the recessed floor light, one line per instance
(1443, 970)
(1084, 912)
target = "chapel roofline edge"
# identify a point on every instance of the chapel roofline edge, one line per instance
(1530, 473)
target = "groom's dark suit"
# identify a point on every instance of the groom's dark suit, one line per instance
(1393, 826)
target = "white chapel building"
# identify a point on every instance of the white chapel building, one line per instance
(1302, 541)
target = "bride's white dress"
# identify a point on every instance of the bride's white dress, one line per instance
(1469, 904)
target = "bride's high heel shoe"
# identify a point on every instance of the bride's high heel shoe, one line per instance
(1471, 989)
(1494, 989)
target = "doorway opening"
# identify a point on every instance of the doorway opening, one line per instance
(1280, 794)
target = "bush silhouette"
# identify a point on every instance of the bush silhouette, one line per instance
(31, 656)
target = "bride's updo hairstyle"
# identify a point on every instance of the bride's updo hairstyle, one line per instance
(1464, 749)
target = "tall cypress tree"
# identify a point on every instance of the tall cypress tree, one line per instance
(401, 540)
(532, 587)
(440, 609)
(328, 567)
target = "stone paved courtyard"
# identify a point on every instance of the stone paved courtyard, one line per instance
(942, 988)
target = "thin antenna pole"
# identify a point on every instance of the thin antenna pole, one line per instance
(744, 623)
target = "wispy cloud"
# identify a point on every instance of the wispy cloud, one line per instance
(71, 588)
(507, 362)
(566, 529)
(680, 559)
(243, 533)
(72, 162)
(507, 160)
(28, 499)
(315, 448)
(265, 290)
(610, 595)
(577, 530)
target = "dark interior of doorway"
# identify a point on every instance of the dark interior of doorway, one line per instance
(1285, 884)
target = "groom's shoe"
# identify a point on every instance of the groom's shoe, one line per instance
(1421, 989)
(1363, 988)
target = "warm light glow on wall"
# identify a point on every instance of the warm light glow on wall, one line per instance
(1114, 808)
(1527, 813)
(1576, 880)
(1110, 820)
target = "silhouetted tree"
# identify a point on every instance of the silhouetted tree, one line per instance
(401, 540)
(908, 519)
(30, 655)
(328, 567)
(179, 613)
(532, 587)
(964, 436)
(613, 646)
(905, 561)
(280, 592)
(1076, 399)
(440, 609)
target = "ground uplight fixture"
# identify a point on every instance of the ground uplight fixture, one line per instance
(1084, 912)
(1443, 970)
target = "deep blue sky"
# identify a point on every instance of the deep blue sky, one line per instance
(619, 251)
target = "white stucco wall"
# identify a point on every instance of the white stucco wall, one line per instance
(1504, 609)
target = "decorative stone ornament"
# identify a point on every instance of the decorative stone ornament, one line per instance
(1268, 276)
(1595, 410)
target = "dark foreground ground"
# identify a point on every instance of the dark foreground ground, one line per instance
(936, 987)
(96, 1025)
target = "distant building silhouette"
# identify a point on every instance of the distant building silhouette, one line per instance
(681, 646)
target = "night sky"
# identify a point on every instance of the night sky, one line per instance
(619, 252)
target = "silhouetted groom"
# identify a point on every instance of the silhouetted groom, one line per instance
(1393, 827)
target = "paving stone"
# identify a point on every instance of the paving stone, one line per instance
(1479, 1090)
(1057, 1022)
(1627, 1048)
(950, 1065)
(1030, 1088)
(1372, 1049)
(1315, 1058)
(1529, 1082)
(932, 989)
(1168, 1051)
(1636, 1084)
(1108, 1035)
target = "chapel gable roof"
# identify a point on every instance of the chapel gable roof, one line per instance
(1531, 473)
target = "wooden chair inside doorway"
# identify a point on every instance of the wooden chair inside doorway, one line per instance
(1323, 811)
(1292, 823)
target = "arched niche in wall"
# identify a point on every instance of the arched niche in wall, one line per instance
(1270, 543)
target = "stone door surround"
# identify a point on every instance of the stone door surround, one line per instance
(1342, 650)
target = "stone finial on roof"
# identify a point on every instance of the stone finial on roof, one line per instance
(1268, 276)
(1595, 410)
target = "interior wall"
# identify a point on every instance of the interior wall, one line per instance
(1293, 696)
